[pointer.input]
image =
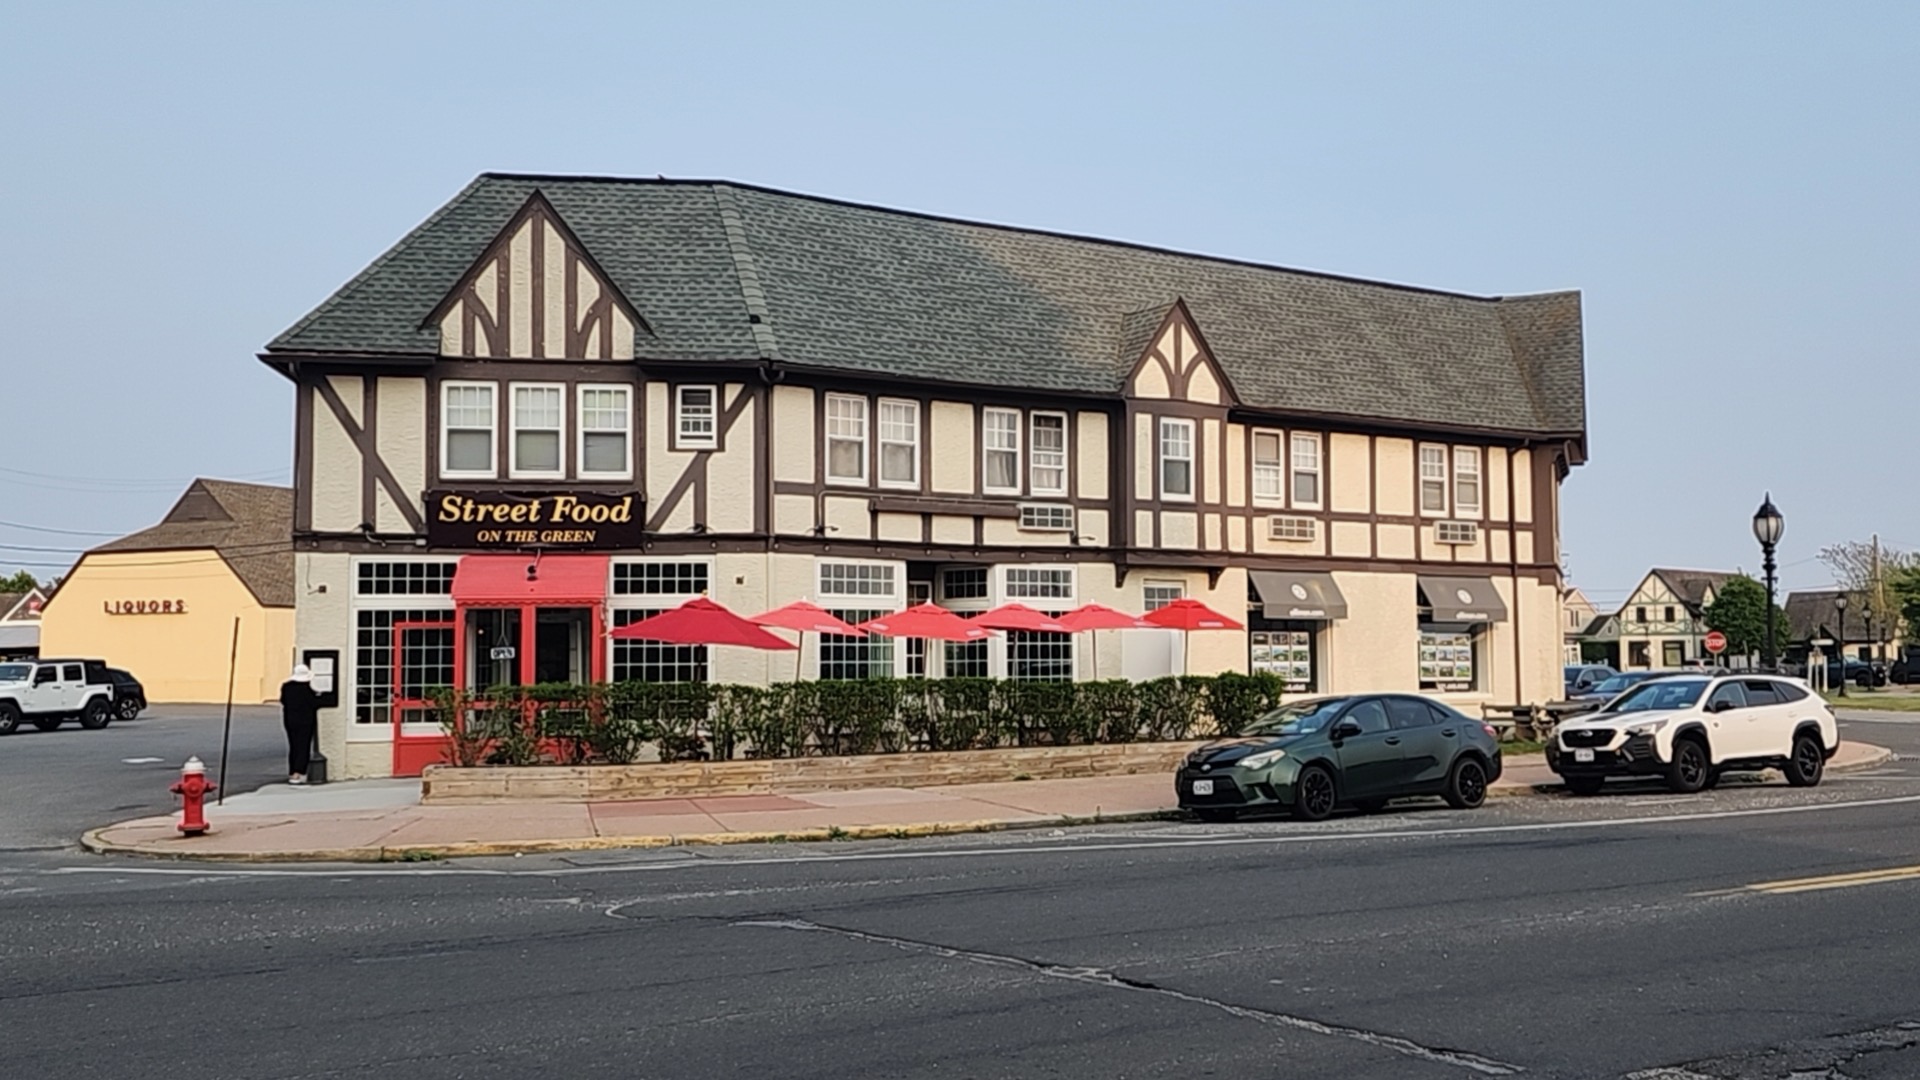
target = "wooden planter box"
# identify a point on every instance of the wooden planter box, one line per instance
(446, 785)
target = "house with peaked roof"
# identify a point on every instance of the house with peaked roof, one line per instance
(561, 403)
(1576, 614)
(1865, 635)
(20, 623)
(163, 602)
(1663, 624)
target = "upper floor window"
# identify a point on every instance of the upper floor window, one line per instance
(846, 439)
(1269, 484)
(1639, 614)
(858, 579)
(1158, 594)
(1466, 481)
(538, 430)
(1433, 479)
(899, 443)
(467, 429)
(1306, 470)
(1176, 459)
(1048, 473)
(606, 429)
(695, 408)
(1000, 447)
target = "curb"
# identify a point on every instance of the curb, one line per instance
(94, 840)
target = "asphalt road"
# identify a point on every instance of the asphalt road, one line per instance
(1610, 937)
(55, 785)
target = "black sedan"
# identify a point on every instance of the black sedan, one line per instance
(129, 697)
(1310, 756)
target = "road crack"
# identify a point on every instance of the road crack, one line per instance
(1093, 976)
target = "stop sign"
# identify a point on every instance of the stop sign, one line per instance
(1716, 642)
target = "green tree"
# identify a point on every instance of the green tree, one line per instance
(20, 582)
(1903, 586)
(1739, 611)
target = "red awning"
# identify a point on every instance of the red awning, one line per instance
(504, 580)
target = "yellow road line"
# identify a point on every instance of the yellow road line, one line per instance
(1837, 881)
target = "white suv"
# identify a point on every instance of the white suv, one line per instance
(1692, 728)
(48, 692)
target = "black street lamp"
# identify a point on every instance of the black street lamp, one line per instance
(1840, 646)
(1768, 526)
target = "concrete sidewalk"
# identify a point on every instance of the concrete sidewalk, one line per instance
(378, 820)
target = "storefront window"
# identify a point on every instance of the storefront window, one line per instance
(1449, 658)
(427, 665)
(845, 657)
(1287, 651)
(654, 661)
(967, 660)
(1040, 656)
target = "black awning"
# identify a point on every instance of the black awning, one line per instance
(1462, 599)
(1294, 594)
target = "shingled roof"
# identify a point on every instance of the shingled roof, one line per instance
(250, 527)
(1692, 586)
(860, 289)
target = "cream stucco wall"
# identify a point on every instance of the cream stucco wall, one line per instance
(177, 657)
(336, 460)
(952, 447)
(730, 494)
(1395, 486)
(398, 438)
(1092, 450)
(793, 437)
(1349, 480)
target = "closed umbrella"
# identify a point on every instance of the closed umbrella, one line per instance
(1188, 615)
(802, 616)
(1093, 618)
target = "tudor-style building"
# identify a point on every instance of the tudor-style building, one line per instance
(562, 403)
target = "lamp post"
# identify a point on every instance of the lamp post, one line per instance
(1840, 646)
(1768, 526)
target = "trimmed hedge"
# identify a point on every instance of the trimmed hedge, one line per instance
(616, 723)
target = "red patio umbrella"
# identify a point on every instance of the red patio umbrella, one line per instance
(700, 621)
(1093, 618)
(1020, 617)
(925, 621)
(803, 616)
(1187, 615)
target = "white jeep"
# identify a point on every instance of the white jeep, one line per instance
(49, 692)
(1691, 728)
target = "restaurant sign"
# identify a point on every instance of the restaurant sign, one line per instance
(508, 519)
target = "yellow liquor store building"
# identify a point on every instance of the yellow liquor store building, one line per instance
(162, 602)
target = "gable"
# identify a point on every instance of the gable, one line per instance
(536, 294)
(1176, 364)
(1653, 590)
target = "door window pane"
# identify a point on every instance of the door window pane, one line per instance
(1369, 714)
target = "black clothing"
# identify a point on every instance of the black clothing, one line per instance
(300, 715)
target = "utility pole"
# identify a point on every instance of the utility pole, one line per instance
(1879, 600)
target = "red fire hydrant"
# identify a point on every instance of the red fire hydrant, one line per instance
(192, 789)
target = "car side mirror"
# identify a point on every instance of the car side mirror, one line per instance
(1719, 706)
(1345, 729)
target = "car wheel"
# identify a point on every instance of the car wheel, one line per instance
(1467, 784)
(47, 723)
(9, 717)
(1688, 772)
(1585, 785)
(1369, 806)
(97, 715)
(1808, 762)
(1313, 794)
(127, 708)
(1216, 814)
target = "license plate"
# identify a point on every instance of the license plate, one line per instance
(1203, 787)
(1583, 755)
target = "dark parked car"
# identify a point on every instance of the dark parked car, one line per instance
(129, 697)
(1618, 683)
(1580, 678)
(1311, 756)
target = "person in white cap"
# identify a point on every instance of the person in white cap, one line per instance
(299, 714)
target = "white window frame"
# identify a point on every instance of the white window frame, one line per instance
(911, 483)
(1179, 589)
(514, 471)
(1468, 456)
(1034, 454)
(493, 431)
(1276, 471)
(893, 597)
(682, 438)
(581, 431)
(864, 438)
(1003, 579)
(1295, 470)
(1171, 423)
(987, 447)
(660, 601)
(1433, 472)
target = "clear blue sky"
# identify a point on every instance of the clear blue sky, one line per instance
(1731, 185)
